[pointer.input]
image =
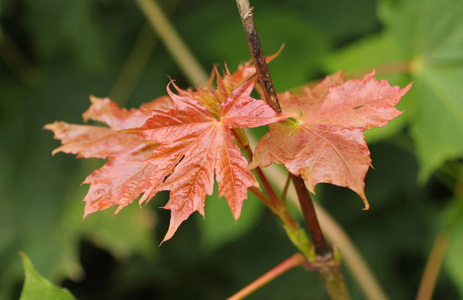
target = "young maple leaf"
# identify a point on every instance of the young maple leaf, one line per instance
(125, 175)
(212, 98)
(194, 144)
(173, 143)
(101, 142)
(326, 143)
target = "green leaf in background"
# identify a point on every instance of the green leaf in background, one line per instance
(454, 258)
(431, 35)
(426, 42)
(37, 287)
(123, 235)
(219, 227)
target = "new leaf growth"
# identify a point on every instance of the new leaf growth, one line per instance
(326, 142)
(175, 143)
(179, 142)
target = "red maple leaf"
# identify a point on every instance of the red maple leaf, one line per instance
(122, 178)
(195, 144)
(175, 143)
(326, 141)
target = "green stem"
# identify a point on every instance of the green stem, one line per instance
(296, 234)
(334, 282)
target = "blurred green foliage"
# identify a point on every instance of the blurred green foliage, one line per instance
(53, 54)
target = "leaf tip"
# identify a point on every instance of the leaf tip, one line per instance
(365, 202)
(23, 256)
(119, 208)
(55, 151)
(88, 211)
(168, 236)
(407, 88)
(370, 75)
(273, 56)
(48, 126)
(252, 165)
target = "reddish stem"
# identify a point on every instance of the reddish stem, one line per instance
(294, 261)
(267, 186)
(271, 200)
(284, 192)
(264, 198)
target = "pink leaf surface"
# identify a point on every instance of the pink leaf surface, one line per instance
(126, 174)
(176, 143)
(326, 143)
(194, 145)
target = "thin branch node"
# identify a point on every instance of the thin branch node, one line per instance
(325, 257)
(248, 13)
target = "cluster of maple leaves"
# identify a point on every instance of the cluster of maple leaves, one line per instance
(180, 141)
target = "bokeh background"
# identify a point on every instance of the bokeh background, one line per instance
(55, 53)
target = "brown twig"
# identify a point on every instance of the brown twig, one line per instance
(258, 55)
(321, 247)
(330, 273)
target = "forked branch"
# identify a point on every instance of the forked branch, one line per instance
(331, 274)
(322, 249)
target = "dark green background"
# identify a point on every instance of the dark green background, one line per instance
(55, 53)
